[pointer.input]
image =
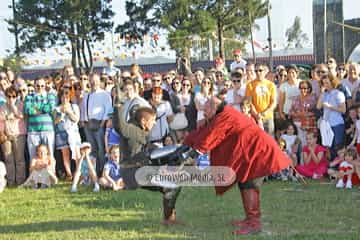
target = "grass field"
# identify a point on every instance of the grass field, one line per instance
(290, 211)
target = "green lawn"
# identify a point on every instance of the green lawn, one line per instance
(290, 211)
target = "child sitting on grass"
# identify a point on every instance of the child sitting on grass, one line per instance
(346, 169)
(333, 170)
(85, 168)
(315, 159)
(111, 177)
(41, 173)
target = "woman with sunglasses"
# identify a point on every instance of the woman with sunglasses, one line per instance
(303, 109)
(187, 101)
(67, 137)
(288, 91)
(14, 130)
(206, 92)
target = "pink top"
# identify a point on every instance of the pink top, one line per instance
(11, 124)
(318, 149)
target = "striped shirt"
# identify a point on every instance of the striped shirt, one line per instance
(39, 109)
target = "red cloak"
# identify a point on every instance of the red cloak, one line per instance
(235, 141)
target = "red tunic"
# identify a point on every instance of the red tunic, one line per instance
(235, 141)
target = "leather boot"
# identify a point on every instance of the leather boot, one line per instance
(240, 223)
(252, 201)
(169, 214)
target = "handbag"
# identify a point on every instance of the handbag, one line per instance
(3, 137)
(327, 135)
(180, 122)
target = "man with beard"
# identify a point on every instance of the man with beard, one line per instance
(235, 141)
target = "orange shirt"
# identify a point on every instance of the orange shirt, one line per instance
(263, 94)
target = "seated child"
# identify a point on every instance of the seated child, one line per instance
(333, 170)
(292, 142)
(2, 176)
(346, 170)
(85, 168)
(111, 177)
(315, 159)
(41, 169)
(286, 173)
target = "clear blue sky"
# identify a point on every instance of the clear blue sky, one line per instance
(283, 14)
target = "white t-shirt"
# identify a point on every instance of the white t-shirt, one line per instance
(290, 140)
(350, 86)
(201, 99)
(161, 127)
(230, 96)
(291, 91)
(235, 65)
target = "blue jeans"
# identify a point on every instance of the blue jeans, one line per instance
(339, 137)
(97, 140)
(269, 126)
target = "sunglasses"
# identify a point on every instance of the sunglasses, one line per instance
(11, 96)
(236, 55)
(236, 81)
(219, 75)
(156, 80)
(341, 69)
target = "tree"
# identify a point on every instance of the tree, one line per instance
(181, 19)
(44, 24)
(234, 18)
(186, 18)
(295, 35)
(12, 61)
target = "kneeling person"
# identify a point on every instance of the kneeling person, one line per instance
(133, 146)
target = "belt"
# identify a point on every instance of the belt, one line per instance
(129, 165)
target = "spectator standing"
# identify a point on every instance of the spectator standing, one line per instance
(288, 91)
(13, 127)
(332, 101)
(97, 105)
(39, 107)
(263, 98)
(238, 60)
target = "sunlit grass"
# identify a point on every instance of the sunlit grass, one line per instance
(290, 211)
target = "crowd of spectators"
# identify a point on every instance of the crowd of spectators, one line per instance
(61, 126)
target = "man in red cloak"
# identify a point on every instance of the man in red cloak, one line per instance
(235, 141)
